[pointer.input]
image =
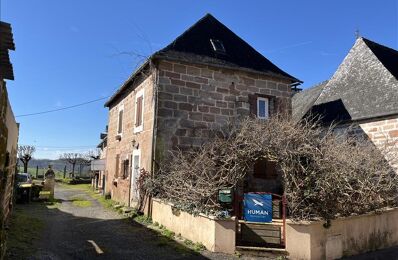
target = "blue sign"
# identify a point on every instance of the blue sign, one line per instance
(257, 207)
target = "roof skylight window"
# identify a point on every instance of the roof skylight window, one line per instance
(218, 46)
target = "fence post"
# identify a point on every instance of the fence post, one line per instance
(64, 171)
(37, 171)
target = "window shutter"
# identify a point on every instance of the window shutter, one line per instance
(140, 106)
(126, 168)
(139, 112)
(122, 169)
(117, 165)
(253, 104)
(120, 122)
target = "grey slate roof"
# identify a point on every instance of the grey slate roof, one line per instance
(194, 46)
(364, 86)
(304, 100)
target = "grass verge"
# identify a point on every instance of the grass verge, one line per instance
(81, 203)
(86, 187)
(24, 230)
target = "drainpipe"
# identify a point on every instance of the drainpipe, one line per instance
(131, 179)
(154, 130)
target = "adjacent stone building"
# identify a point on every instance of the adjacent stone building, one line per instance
(98, 165)
(183, 94)
(362, 93)
(9, 132)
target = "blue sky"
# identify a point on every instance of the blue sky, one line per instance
(69, 52)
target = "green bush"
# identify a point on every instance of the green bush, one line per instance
(78, 180)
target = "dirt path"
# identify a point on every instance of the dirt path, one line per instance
(73, 232)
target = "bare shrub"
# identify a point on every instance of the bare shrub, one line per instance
(325, 174)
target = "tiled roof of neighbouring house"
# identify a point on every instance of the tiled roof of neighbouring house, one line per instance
(210, 42)
(6, 44)
(304, 100)
(364, 86)
(386, 55)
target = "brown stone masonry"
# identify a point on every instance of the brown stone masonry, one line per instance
(192, 103)
(121, 146)
(381, 132)
(196, 100)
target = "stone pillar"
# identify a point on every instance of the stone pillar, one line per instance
(49, 182)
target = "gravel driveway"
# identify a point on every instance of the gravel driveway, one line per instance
(73, 232)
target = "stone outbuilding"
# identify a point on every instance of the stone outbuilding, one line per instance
(208, 76)
(9, 133)
(362, 94)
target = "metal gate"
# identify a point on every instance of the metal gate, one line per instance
(255, 234)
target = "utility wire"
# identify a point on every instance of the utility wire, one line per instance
(79, 146)
(62, 108)
(67, 149)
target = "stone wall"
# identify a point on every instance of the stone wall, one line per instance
(196, 101)
(217, 235)
(3, 125)
(9, 131)
(345, 237)
(118, 186)
(381, 132)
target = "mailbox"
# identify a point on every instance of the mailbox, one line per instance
(225, 195)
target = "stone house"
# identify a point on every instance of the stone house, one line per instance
(362, 93)
(9, 132)
(208, 76)
(99, 172)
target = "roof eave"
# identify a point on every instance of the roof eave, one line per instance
(376, 116)
(293, 80)
(126, 83)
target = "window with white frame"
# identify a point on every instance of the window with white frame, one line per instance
(262, 108)
(139, 111)
(120, 120)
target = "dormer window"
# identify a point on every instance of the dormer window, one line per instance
(218, 46)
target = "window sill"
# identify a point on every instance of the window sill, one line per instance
(138, 129)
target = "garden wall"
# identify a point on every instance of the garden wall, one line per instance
(345, 236)
(9, 131)
(217, 235)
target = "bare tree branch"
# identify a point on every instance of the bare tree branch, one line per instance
(325, 173)
(25, 153)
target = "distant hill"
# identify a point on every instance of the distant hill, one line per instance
(58, 165)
